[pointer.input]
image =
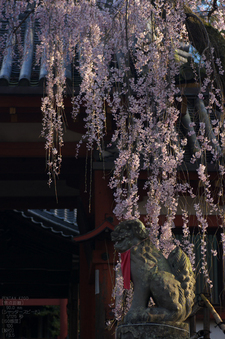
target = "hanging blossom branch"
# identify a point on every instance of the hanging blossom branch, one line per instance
(122, 298)
(94, 59)
(208, 137)
(146, 126)
(187, 245)
(53, 52)
(203, 224)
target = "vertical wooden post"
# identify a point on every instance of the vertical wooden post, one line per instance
(73, 313)
(95, 299)
(103, 209)
(103, 263)
(99, 304)
(206, 323)
(63, 319)
(40, 327)
(192, 325)
(87, 299)
(103, 199)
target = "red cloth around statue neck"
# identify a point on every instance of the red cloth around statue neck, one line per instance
(125, 267)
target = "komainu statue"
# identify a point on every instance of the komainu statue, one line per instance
(169, 282)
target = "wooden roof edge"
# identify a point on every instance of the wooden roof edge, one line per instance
(106, 226)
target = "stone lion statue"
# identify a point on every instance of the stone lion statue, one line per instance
(169, 282)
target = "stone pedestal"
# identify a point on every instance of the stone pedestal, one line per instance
(153, 331)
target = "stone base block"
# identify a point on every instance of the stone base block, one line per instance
(153, 331)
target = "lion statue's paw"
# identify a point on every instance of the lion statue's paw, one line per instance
(138, 315)
(135, 316)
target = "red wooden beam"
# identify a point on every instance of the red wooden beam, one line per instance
(90, 235)
(63, 319)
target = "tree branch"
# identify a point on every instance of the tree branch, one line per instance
(214, 8)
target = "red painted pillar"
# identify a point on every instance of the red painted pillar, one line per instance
(96, 267)
(104, 202)
(87, 298)
(103, 255)
(63, 319)
(103, 260)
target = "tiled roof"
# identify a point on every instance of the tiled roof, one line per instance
(61, 221)
(22, 70)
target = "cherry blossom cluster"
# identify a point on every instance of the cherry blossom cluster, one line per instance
(122, 298)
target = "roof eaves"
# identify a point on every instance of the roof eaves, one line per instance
(32, 215)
